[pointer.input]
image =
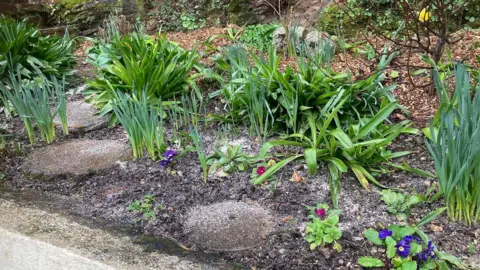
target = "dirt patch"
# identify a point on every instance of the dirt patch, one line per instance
(108, 193)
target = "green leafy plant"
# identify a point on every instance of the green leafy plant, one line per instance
(23, 48)
(362, 148)
(259, 36)
(189, 22)
(137, 63)
(272, 100)
(33, 99)
(230, 160)
(456, 152)
(409, 248)
(399, 204)
(323, 226)
(143, 121)
(146, 207)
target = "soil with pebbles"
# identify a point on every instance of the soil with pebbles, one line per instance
(107, 193)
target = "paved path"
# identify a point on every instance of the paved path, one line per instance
(32, 239)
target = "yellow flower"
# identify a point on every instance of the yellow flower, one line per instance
(424, 15)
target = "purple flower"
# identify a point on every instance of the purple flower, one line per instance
(403, 248)
(427, 253)
(417, 239)
(409, 239)
(164, 163)
(170, 154)
(384, 234)
(320, 213)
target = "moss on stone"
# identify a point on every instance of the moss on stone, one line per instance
(71, 3)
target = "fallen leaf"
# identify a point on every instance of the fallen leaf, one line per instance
(287, 219)
(436, 228)
(297, 178)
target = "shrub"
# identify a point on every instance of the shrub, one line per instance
(455, 149)
(136, 63)
(23, 47)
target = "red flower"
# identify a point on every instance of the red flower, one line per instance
(261, 170)
(320, 213)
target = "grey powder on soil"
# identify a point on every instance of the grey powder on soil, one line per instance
(76, 157)
(228, 226)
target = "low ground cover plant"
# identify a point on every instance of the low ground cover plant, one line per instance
(399, 204)
(259, 36)
(147, 207)
(229, 160)
(409, 248)
(322, 229)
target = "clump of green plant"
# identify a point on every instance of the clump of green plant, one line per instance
(22, 47)
(146, 207)
(472, 248)
(399, 204)
(190, 22)
(199, 147)
(135, 63)
(323, 226)
(143, 121)
(228, 161)
(455, 149)
(360, 148)
(409, 248)
(33, 102)
(259, 36)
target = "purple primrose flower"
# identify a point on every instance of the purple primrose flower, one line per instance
(403, 248)
(384, 234)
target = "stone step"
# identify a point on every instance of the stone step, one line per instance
(76, 157)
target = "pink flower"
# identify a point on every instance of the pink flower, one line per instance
(320, 213)
(261, 170)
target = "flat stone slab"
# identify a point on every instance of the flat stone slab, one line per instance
(228, 226)
(81, 117)
(76, 157)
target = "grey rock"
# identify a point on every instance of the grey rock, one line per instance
(314, 38)
(280, 36)
(76, 157)
(81, 117)
(228, 226)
